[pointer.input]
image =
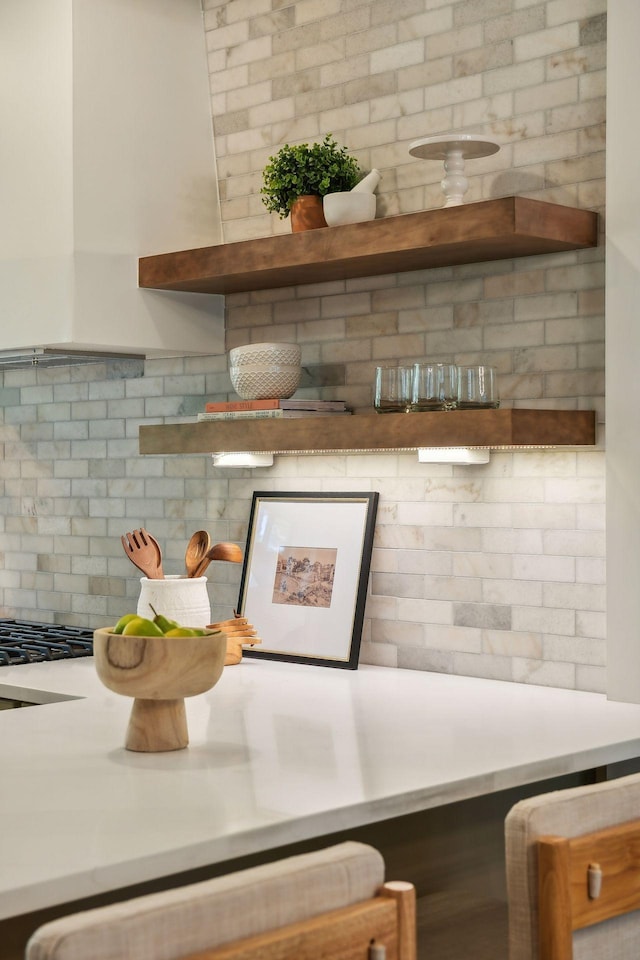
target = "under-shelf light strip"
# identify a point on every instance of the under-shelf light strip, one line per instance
(465, 456)
(242, 459)
(334, 451)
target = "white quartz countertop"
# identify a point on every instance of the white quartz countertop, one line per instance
(278, 753)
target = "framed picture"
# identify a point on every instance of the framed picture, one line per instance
(305, 574)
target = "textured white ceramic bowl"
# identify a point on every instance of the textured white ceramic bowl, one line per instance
(252, 353)
(262, 381)
(349, 207)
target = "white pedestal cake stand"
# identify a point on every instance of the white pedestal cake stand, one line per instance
(454, 151)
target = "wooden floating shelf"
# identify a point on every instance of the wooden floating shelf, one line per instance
(470, 233)
(376, 432)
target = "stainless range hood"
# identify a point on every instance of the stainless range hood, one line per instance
(50, 357)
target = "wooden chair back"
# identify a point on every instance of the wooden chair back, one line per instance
(332, 903)
(382, 928)
(583, 881)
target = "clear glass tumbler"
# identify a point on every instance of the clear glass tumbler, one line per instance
(477, 388)
(393, 389)
(435, 387)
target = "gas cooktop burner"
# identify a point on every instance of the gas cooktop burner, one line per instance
(25, 641)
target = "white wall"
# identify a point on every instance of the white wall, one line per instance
(623, 352)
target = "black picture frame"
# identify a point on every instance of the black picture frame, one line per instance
(305, 575)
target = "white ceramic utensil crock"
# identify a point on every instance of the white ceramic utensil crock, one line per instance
(184, 599)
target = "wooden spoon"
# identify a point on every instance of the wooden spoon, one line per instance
(220, 551)
(196, 551)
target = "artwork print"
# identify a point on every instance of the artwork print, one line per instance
(304, 576)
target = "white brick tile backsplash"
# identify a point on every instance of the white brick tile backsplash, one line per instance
(483, 565)
(576, 115)
(424, 611)
(579, 61)
(591, 517)
(494, 571)
(545, 42)
(454, 639)
(544, 149)
(545, 568)
(518, 76)
(544, 672)
(545, 620)
(574, 490)
(591, 678)
(574, 542)
(591, 624)
(426, 24)
(592, 194)
(306, 10)
(482, 515)
(550, 517)
(592, 85)
(563, 304)
(552, 94)
(576, 596)
(397, 55)
(564, 11)
(505, 643)
(224, 36)
(74, 391)
(512, 591)
(483, 58)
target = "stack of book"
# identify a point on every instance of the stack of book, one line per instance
(272, 409)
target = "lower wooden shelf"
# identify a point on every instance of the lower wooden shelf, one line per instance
(374, 432)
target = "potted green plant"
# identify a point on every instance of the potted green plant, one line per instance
(300, 172)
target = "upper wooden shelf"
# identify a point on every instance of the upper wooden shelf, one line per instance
(486, 230)
(387, 432)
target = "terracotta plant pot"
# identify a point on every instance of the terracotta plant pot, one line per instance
(307, 214)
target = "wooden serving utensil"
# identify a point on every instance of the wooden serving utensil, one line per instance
(220, 551)
(239, 626)
(196, 551)
(159, 571)
(144, 552)
(239, 632)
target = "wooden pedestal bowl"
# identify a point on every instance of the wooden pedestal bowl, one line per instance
(158, 672)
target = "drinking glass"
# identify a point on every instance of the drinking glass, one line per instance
(393, 389)
(477, 388)
(435, 386)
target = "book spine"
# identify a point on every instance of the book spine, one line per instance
(223, 406)
(330, 405)
(241, 415)
(270, 414)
